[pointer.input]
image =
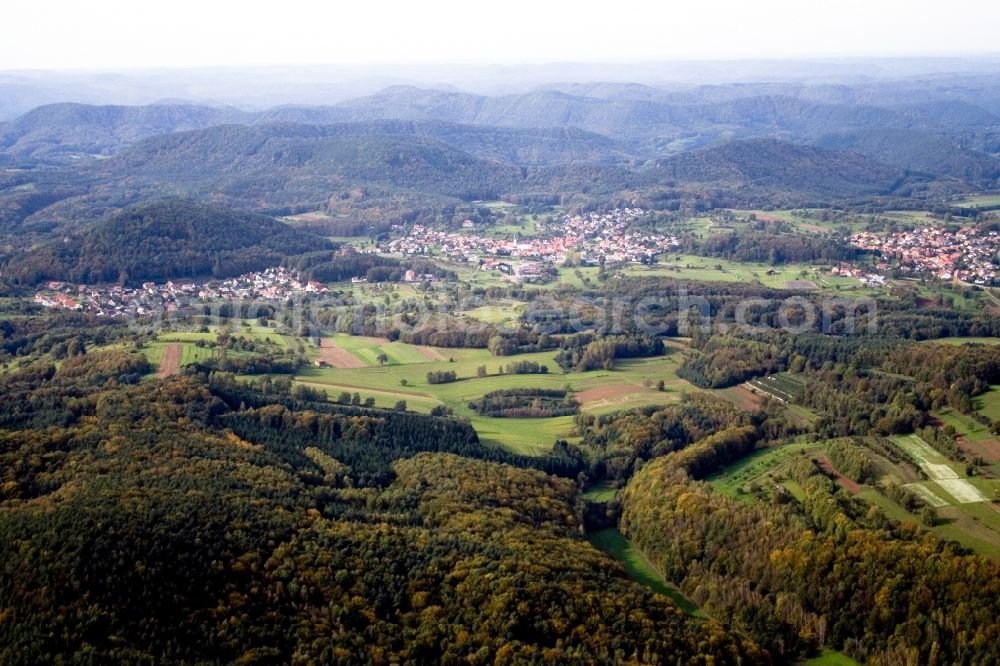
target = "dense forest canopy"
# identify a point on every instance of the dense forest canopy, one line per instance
(164, 240)
(434, 564)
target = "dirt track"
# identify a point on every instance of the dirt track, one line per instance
(170, 361)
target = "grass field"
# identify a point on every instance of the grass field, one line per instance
(638, 567)
(830, 658)
(601, 492)
(965, 425)
(914, 217)
(802, 414)
(631, 384)
(962, 341)
(735, 480)
(798, 276)
(191, 353)
(505, 313)
(711, 269)
(805, 220)
(988, 404)
(981, 201)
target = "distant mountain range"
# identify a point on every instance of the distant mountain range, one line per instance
(407, 153)
(592, 123)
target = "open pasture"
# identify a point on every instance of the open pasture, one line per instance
(981, 202)
(713, 269)
(965, 425)
(631, 383)
(988, 404)
(735, 479)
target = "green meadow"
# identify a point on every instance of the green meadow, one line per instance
(965, 425)
(988, 404)
(981, 201)
(830, 658)
(632, 383)
(600, 492)
(638, 568)
(781, 276)
(962, 341)
(736, 479)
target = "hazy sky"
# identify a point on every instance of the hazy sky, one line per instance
(114, 34)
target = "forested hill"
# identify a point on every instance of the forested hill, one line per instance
(286, 168)
(57, 132)
(167, 239)
(326, 150)
(136, 529)
(919, 151)
(68, 132)
(955, 122)
(782, 166)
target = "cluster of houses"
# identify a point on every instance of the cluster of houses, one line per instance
(968, 255)
(153, 298)
(607, 237)
(595, 236)
(865, 278)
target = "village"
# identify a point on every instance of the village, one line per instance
(968, 255)
(588, 238)
(152, 298)
(594, 237)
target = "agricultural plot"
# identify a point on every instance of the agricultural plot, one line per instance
(946, 485)
(742, 397)
(172, 352)
(363, 351)
(781, 387)
(185, 343)
(631, 384)
(919, 450)
(927, 495)
(963, 491)
(170, 361)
